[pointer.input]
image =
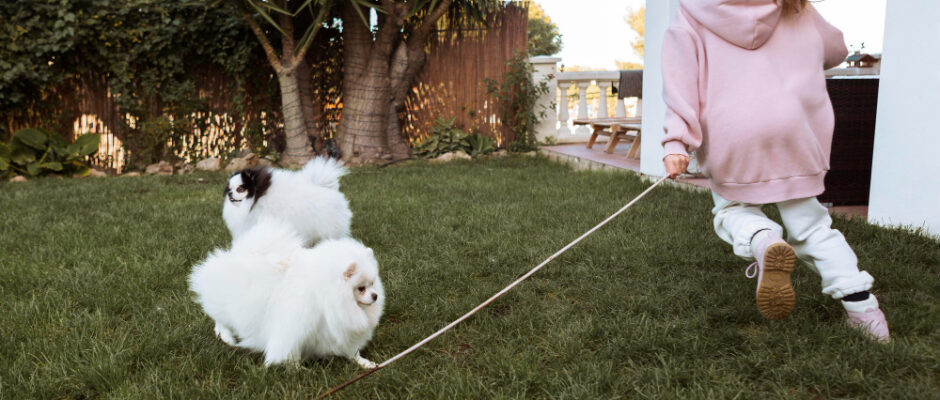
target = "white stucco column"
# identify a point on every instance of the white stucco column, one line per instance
(545, 70)
(658, 15)
(602, 99)
(582, 107)
(905, 185)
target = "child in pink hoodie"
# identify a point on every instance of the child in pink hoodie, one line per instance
(744, 88)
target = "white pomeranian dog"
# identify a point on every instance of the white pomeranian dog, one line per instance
(308, 200)
(268, 293)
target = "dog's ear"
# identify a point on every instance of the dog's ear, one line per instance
(350, 271)
(248, 177)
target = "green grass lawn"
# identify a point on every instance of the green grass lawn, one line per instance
(94, 300)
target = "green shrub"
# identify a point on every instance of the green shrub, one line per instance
(149, 142)
(446, 138)
(517, 99)
(36, 152)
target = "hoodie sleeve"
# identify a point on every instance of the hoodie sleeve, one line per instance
(680, 91)
(834, 48)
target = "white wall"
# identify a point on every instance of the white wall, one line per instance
(545, 70)
(658, 15)
(905, 182)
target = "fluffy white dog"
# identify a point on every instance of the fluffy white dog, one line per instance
(309, 200)
(290, 302)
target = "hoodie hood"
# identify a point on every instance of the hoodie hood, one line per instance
(744, 23)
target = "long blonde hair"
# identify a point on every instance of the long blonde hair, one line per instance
(791, 7)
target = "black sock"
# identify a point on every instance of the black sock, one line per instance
(863, 295)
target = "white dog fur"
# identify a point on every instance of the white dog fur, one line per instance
(288, 301)
(309, 200)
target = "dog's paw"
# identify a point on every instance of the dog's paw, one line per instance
(226, 335)
(364, 363)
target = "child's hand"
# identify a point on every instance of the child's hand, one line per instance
(675, 164)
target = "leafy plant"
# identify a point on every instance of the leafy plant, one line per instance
(35, 152)
(517, 98)
(480, 144)
(446, 138)
(149, 143)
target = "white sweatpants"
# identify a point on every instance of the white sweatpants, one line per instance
(809, 232)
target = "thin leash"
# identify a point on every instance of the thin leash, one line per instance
(491, 299)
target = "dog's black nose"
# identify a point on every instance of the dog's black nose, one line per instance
(375, 296)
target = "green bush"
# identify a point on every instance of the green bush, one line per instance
(446, 138)
(517, 99)
(149, 143)
(36, 152)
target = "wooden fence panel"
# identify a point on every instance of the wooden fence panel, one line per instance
(452, 83)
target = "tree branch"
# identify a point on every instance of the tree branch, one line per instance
(265, 43)
(420, 35)
(409, 59)
(317, 23)
(389, 32)
(357, 44)
(287, 39)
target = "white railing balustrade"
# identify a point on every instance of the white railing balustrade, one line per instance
(558, 127)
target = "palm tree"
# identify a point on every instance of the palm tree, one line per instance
(290, 65)
(381, 60)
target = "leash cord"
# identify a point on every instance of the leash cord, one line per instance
(494, 297)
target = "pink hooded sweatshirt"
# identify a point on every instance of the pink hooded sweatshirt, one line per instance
(745, 87)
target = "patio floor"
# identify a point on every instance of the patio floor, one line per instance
(596, 158)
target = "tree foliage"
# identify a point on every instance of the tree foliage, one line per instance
(148, 57)
(636, 18)
(145, 53)
(544, 39)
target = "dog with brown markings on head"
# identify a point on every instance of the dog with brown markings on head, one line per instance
(308, 200)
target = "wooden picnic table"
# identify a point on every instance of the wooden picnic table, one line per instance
(617, 129)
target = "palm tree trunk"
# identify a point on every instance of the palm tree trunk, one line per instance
(365, 94)
(308, 104)
(400, 83)
(365, 103)
(377, 77)
(297, 149)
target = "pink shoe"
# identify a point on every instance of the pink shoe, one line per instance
(775, 295)
(868, 318)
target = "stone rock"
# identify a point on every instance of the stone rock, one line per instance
(252, 158)
(133, 173)
(443, 158)
(244, 153)
(247, 160)
(237, 164)
(530, 153)
(459, 155)
(186, 169)
(501, 153)
(264, 162)
(209, 164)
(18, 178)
(97, 173)
(160, 168)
